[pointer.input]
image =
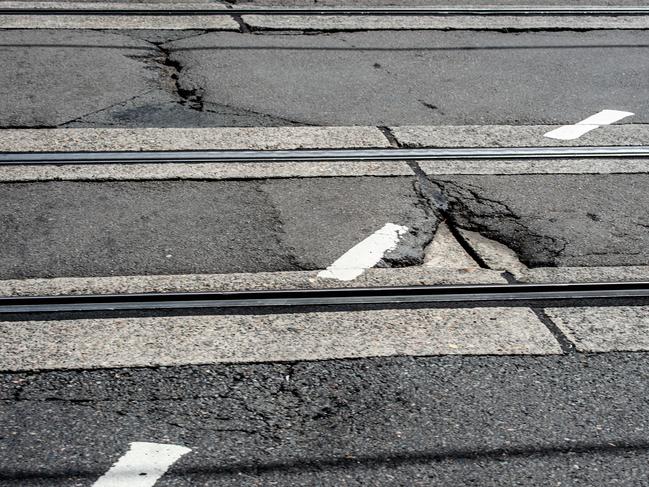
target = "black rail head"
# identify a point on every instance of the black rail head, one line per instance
(314, 155)
(326, 297)
(337, 11)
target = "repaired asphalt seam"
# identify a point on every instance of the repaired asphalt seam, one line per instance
(290, 254)
(243, 27)
(437, 203)
(389, 135)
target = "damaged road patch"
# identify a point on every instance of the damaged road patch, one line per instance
(53, 77)
(323, 218)
(556, 220)
(64, 228)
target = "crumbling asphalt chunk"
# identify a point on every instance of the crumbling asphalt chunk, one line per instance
(555, 220)
(470, 209)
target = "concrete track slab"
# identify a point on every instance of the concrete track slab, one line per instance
(454, 22)
(169, 139)
(377, 277)
(604, 329)
(119, 22)
(137, 342)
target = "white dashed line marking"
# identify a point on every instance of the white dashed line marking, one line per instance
(572, 132)
(365, 254)
(142, 465)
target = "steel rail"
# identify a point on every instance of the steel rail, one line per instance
(154, 157)
(347, 11)
(505, 293)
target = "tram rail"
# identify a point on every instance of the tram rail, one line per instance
(337, 11)
(516, 294)
(218, 156)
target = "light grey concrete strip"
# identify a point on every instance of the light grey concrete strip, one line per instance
(330, 22)
(226, 138)
(494, 254)
(215, 22)
(524, 136)
(162, 139)
(211, 171)
(540, 166)
(128, 342)
(515, 136)
(220, 22)
(606, 329)
(407, 276)
(445, 252)
(126, 5)
(582, 274)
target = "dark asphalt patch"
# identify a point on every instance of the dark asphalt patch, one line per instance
(59, 229)
(568, 420)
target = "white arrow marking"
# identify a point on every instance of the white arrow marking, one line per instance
(571, 132)
(142, 465)
(365, 254)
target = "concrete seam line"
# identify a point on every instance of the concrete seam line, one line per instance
(564, 342)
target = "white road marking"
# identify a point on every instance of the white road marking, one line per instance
(142, 465)
(365, 254)
(572, 132)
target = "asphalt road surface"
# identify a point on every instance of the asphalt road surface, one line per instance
(116, 79)
(489, 394)
(433, 421)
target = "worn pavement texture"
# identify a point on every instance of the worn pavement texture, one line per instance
(567, 420)
(556, 220)
(121, 79)
(179, 227)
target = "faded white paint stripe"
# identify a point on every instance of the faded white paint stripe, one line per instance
(142, 465)
(365, 254)
(572, 132)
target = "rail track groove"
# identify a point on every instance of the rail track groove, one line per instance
(344, 11)
(523, 294)
(206, 156)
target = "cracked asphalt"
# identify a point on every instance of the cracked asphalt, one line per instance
(572, 418)
(556, 220)
(358, 78)
(79, 78)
